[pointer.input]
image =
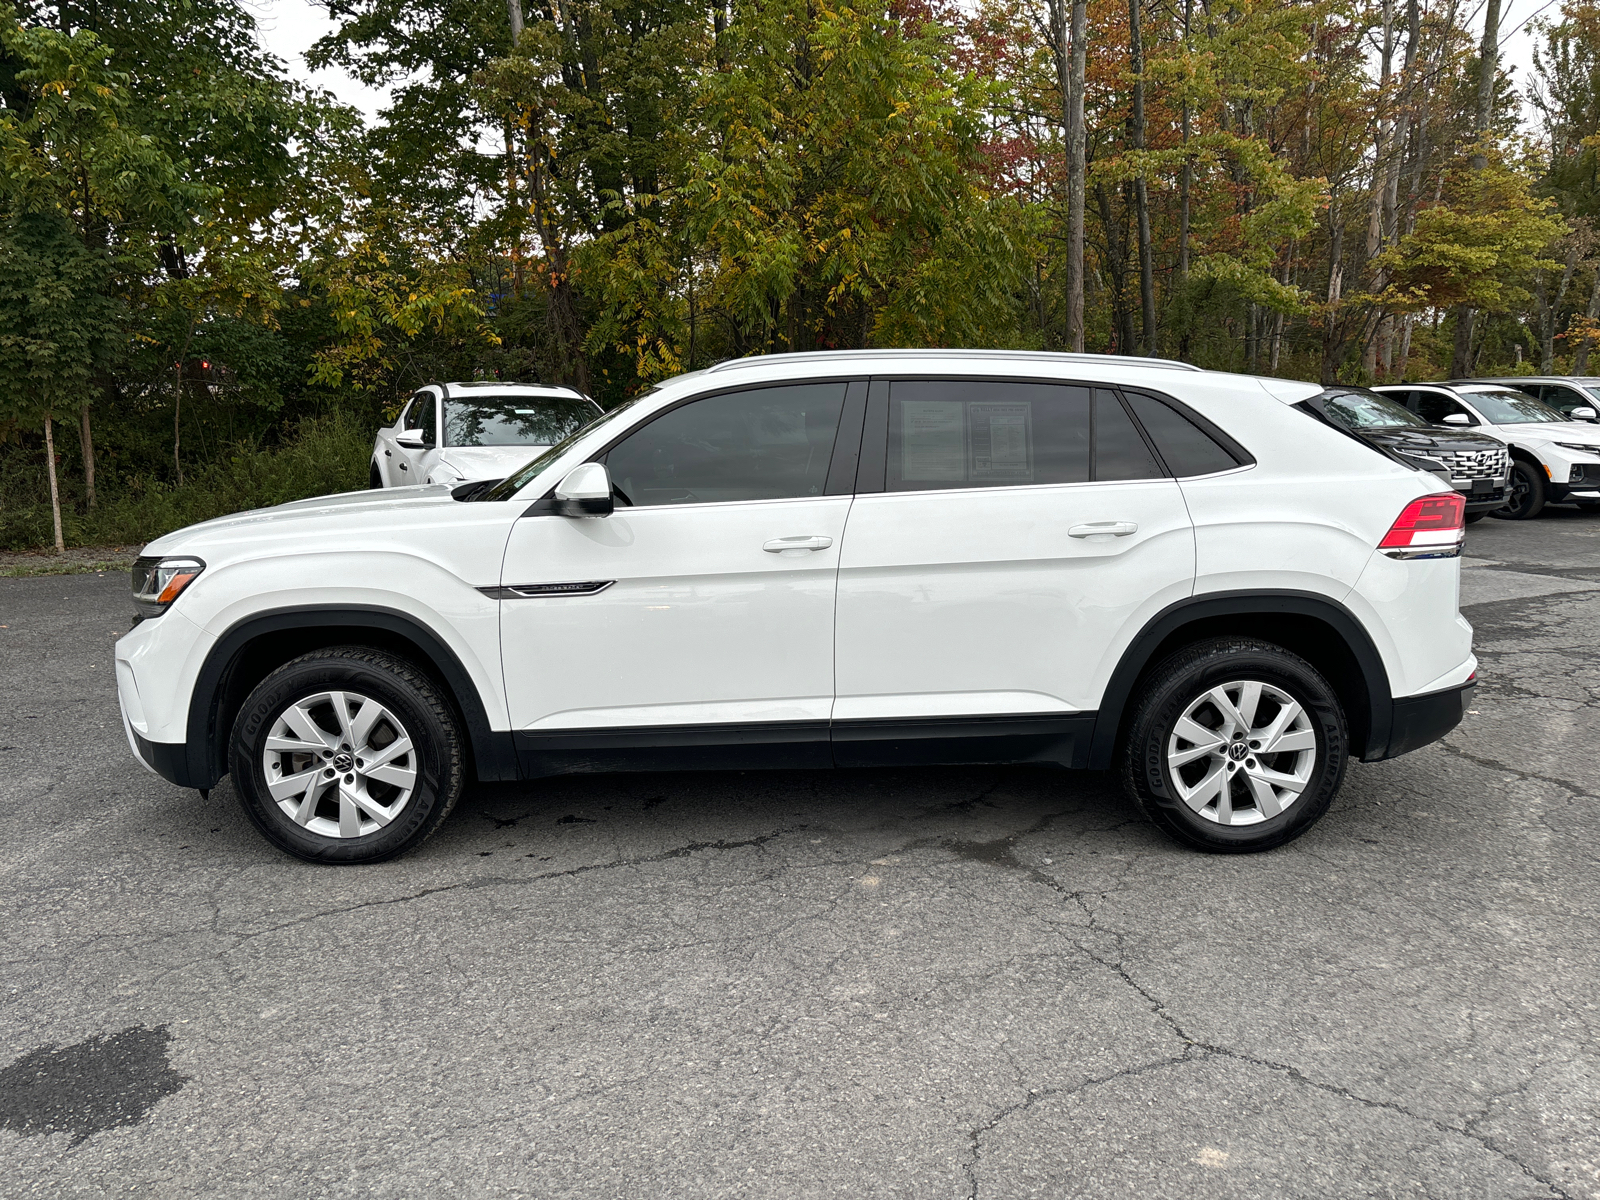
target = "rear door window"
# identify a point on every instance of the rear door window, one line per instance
(979, 433)
(972, 433)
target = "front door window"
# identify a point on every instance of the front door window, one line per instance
(764, 444)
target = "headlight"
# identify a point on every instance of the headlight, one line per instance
(157, 582)
(1580, 448)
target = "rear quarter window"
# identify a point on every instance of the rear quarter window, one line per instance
(1186, 448)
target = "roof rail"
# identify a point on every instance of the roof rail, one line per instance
(729, 364)
(510, 383)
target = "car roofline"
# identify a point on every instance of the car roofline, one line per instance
(535, 389)
(1041, 356)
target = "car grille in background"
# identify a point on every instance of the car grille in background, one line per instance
(1474, 464)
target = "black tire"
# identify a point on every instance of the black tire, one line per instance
(422, 713)
(1470, 518)
(1526, 494)
(374, 478)
(1183, 679)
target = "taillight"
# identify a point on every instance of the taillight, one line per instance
(1428, 527)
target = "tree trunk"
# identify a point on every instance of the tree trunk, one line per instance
(1077, 166)
(55, 491)
(1488, 65)
(1461, 349)
(1186, 178)
(1547, 342)
(86, 444)
(177, 410)
(514, 12)
(1383, 150)
(1141, 195)
(1332, 320)
(1580, 358)
(1488, 69)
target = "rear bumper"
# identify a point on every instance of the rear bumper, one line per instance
(1421, 720)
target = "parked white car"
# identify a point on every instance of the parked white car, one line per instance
(1554, 459)
(1564, 393)
(842, 559)
(457, 432)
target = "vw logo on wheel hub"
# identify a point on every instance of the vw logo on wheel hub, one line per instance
(1237, 751)
(343, 761)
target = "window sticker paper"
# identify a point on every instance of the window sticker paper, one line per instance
(1001, 441)
(931, 443)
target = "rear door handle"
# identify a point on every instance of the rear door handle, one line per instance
(814, 542)
(1104, 529)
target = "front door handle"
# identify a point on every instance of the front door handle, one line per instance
(1103, 529)
(779, 545)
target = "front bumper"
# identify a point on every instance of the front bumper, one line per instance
(1421, 720)
(1481, 494)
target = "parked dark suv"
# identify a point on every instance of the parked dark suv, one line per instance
(1474, 465)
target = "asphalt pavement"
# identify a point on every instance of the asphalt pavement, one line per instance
(929, 983)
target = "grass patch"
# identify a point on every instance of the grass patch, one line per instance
(81, 560)
(324, 455)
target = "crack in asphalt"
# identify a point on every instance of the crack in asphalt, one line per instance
(1520, 773)
(496, 881)
(1195, 1048)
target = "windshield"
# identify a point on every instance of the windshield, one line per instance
(514, 483)
(1367, 410)
(1507, 406)
(1593, 389)
(479, 420)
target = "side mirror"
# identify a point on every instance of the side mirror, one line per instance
(1583, 414)
(1458, 419)
(410, 439)
(585, 492)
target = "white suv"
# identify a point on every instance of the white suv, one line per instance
(846, 559)
(1553, 459)
(457, 432)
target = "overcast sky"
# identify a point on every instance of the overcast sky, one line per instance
(288, 27)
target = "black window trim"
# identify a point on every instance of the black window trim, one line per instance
(872, 476)
(855, 389)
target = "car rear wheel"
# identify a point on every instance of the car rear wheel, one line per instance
(1526, 495)
(1235, 746)
(347, 755)
(374, 478)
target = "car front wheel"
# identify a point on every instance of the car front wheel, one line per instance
(1525, 499)
(347, 755)
(1235, 746)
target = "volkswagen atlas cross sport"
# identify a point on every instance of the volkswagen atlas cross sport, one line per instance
(848, 559)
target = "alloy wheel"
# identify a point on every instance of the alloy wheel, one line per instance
(339, 764)
(1242, 753)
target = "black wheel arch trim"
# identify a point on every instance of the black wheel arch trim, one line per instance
(205, 759)
(1137, 657)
